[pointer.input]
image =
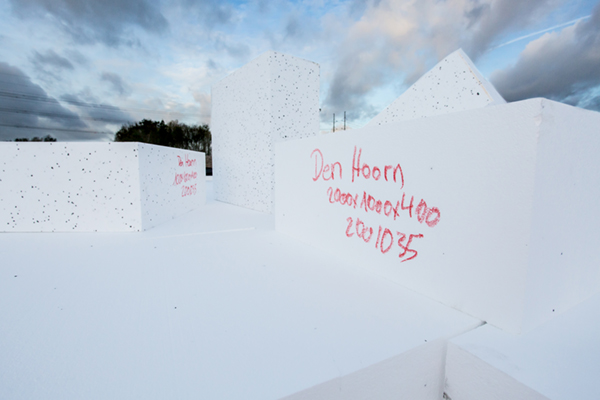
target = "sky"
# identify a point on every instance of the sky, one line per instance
(79, 69)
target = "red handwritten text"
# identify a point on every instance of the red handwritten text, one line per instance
(430, 215)
(188, 190)
(179, 178)
(322, 170)
(186, 161)
(385, 238)
(389, 172)
(186, 176)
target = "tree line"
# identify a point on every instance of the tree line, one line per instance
(46, 138)
(172, 134)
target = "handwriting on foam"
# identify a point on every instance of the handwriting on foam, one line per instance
(385, 238)
(186, 161)
(391, 173)
(184, 177)
(430, 215)
(328, 171)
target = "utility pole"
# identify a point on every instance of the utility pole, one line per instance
(344, 120)
(333, 122)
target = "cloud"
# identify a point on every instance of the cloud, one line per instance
(210, 13)
(26, 110)
(398, 41)
(212, 65)
(297, 30)
(204, 99)
(293, 27)
(98, 115)
(51, 64)
(233, 49)
(489, 20)
(116, 83)
(50, 58)
(89, 21)
(77, 57)
(563, 66)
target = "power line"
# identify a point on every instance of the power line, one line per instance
(30, 97)
(47, 99)
(52, 129)
(64, 116)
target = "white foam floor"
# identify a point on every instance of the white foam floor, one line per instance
(212, 305)
(559, 360)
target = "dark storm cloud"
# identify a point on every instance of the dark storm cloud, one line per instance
(350, 85)
(51, 65)
(97, 114)
(50, 58)
(89, 21)
(562, 66)
(77, 57)
(26, 110)
(487, 21)
(210, 13)
(299, 28)
(116, 83)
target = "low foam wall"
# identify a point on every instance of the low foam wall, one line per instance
(483, 210)
(104, 187)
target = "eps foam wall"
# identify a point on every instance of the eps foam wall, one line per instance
(88, 187)
(491, 211)
(273, 98)
(454, 84)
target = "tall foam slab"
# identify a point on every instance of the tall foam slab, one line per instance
(273, 98)
(104, 187)
(490, 211)
(454, 84)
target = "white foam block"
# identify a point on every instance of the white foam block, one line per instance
(273, 98)
(454, 84)
(559, 360)
(87, 187)
(490, 211)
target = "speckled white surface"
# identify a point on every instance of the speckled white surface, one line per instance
(91, 187)
(454, 84)
(172, 182)
(273, 98)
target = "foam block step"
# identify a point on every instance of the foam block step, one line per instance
(103, 187)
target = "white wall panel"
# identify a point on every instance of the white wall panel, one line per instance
(274, 97)
(460, 207)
